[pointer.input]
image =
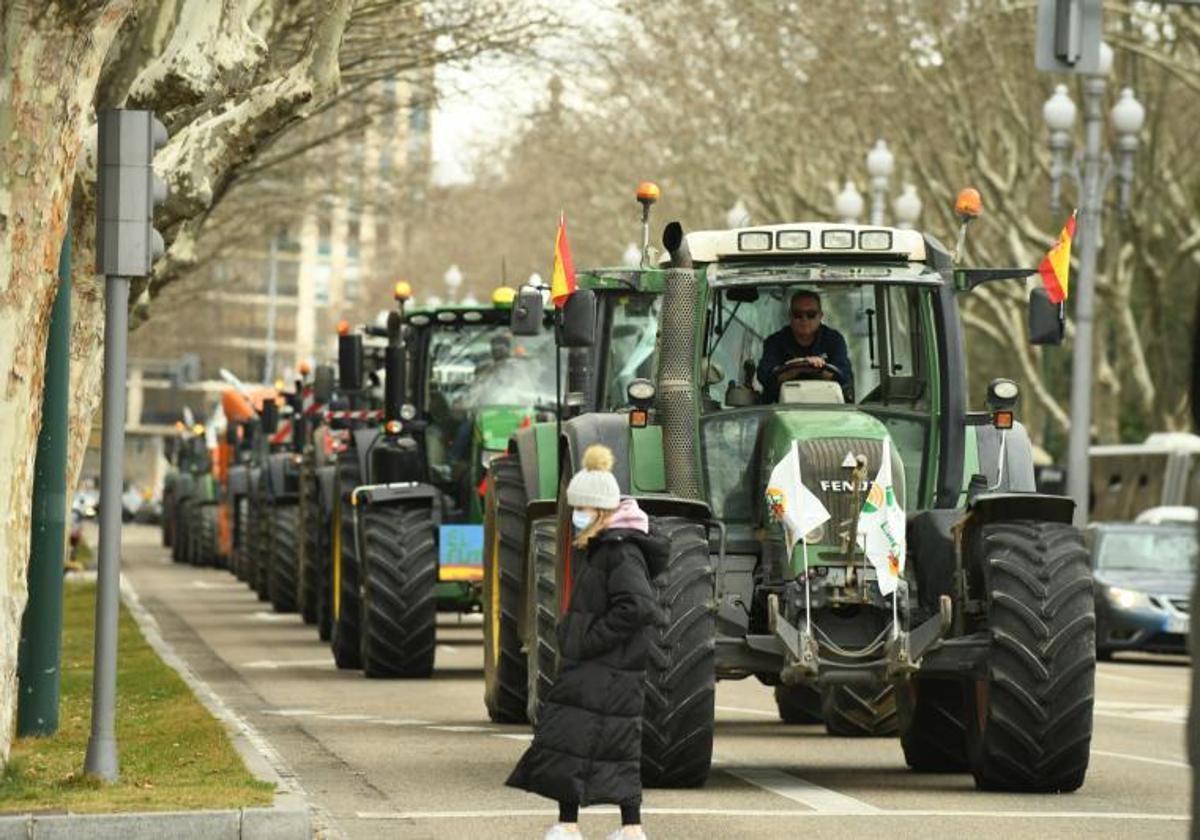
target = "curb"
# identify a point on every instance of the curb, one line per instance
(288, 819)
(244, 824)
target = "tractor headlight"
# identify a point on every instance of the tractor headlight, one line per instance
(1128, 599)
(408, 411)
(489, 455)
(816, 535)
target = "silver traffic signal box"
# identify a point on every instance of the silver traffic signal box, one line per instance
(128, 192)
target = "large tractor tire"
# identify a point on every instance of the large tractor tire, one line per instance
(261, 558)
(241, 538)
(1030, 725)
(195, 528)
(345, 638)
(933, 726)
(541, 654)
(208, 548)
(859, 711)
(285, 519)
(179, 532)
(504, 674)
(310, 519)
(399, 571)
(798, 704)
(679, 714)
(324, 546)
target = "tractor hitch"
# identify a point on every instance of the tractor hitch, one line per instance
(904, 652)
(800, 648)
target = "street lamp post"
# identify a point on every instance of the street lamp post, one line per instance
(1092, 179)
(907, 207)
(453, 279)
(880, 164)
(848, 205)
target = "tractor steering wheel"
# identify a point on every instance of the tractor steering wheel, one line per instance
(804, 370)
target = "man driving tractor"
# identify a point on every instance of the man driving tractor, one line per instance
(805, 349)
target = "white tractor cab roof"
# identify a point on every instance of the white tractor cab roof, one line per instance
(804, 240)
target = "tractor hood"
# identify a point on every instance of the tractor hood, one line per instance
(495, 424)
(827, 440)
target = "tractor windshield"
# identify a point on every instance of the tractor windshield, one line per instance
(875, 344)
(473, 366)
(631, 344)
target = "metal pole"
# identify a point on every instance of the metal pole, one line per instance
(101, 757)
(1085, 299)
(272, 291)
(40, 649)
(878, 199)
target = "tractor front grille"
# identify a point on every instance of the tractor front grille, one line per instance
(822, 472)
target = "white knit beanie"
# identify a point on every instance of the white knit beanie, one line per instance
(594, 485)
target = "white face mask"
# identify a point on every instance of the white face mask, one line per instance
(581, 519)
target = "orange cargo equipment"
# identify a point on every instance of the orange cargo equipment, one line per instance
(238, 408)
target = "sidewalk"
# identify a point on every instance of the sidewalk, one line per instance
(287, 819)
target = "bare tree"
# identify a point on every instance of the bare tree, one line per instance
(234, 81)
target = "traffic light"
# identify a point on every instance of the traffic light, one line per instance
(1068, 36)
(127, 192)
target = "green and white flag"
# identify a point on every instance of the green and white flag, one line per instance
(791, 503)
(881, 525)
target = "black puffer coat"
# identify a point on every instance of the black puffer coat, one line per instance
(587, 747)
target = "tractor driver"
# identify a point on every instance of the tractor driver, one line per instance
(805, 349)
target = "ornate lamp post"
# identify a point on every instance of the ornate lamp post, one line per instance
(880, 165)
(848, 205)
(1091, 174)
(453, 279)
(906, 208)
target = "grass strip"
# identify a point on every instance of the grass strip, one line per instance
(174, 755)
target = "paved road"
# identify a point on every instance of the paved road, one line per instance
(421, 760)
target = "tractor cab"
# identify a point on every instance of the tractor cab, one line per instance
(474, 383)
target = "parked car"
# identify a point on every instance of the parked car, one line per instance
(1143, 577)
(1169, 514)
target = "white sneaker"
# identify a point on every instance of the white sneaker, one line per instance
(620, 834)
(559, 832)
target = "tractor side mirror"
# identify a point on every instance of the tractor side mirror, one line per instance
(577, 324)
(270, 416)
(527, 312)
(350, 362)
(1045, 318)
(323, 380)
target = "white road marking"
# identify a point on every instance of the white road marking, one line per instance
(393, 722)
(448, 728)
(347, 717)
(737, 710)
(204, 584)
(1177, 716)
(263, 615)
(1127, 756)
(1100, 672)
(798, 790)
(276, 664)
(515, 736)
(749, 812)
(290, 712)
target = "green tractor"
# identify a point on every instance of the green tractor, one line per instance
(195, 493)
(983, 656)
(410, 538)
(520, 600)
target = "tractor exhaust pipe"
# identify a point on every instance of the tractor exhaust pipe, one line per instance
(678, 398)
(676, 244)
(394, 368)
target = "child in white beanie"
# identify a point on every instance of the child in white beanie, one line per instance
(587, 745)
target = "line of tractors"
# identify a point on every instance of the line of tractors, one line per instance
(426, 471)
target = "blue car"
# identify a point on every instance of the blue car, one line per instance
(1144, 577)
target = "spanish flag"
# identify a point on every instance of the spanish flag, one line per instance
(562, 282)
(1055, 267)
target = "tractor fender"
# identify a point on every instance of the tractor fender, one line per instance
(612, 430)
(1017, 475)
(1006, 507)
(277, 469)
(524, 445)
(535, 447)
(239, 481)
(327, 489)
(364, 440)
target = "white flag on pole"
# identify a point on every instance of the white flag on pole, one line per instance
(881, 524)
(792, 503)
